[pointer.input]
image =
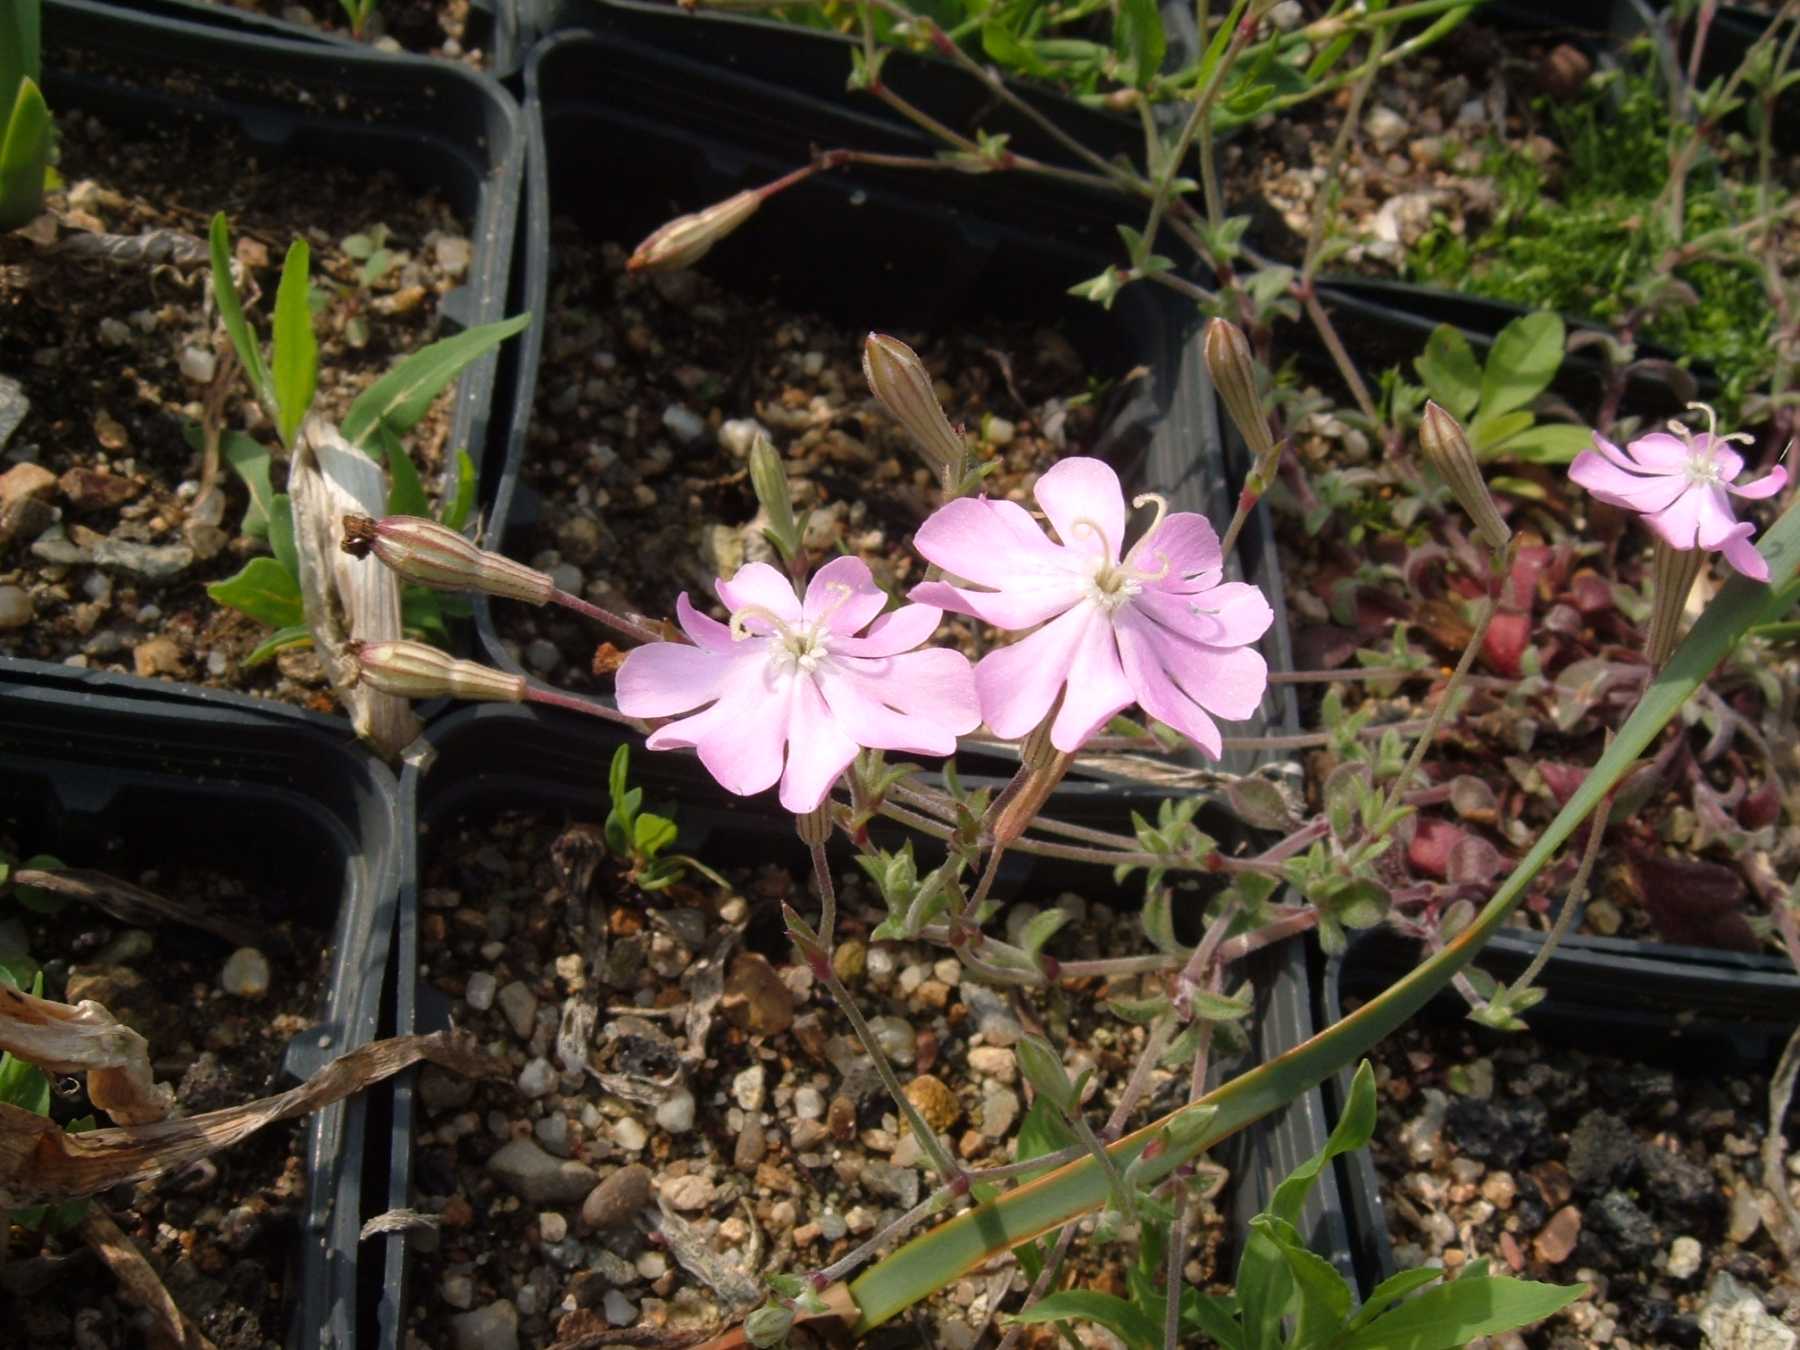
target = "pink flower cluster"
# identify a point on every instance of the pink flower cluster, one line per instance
(1682, 483)
(789, 691)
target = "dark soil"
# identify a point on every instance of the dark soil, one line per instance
(1561, 1165)
(114, 359)
(430, 27)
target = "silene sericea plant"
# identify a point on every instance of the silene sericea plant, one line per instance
(815, 675)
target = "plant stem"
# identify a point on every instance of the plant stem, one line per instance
(556, 698)
(1571, 905)
(635, 626)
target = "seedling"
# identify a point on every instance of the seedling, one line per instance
(269, 588)
(638, 837)
(25, 135)
(360, 12)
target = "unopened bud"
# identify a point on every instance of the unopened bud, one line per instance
(814, 826)
(1043, 1069)
(899, 379)
(769, 481)
(768, 1326)
(685, 240)
(1447, 450)
(1233, 371)
(417, 670)
(434, 555)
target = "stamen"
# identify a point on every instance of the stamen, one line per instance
(739, 617)
(1712, 428)
(841, 595)
(1164, 564)
(1082, 525)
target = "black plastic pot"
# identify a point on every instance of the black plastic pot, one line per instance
(439, 126)
(493, 26)
(490, 759)
(103, 776)
(605, 109)
(1684, 1008)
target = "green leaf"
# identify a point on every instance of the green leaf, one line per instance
(1546, 443)
(295, 354)
(24, 155)
(406, 496)
(1323, 1298)
(1214, 1316)
(1138, 36)
(1487, 432)
(1043, 1131)
(231, 310)
(1351, 1132)
(1451, 373)
(1132, 1324)
(1523, 361)
(1218, 1007)
(36, 898)
(281, 534)
(1004, 47)
(1264, 1290)
(402, 396)
(249, 459)
(266, 591)
(652, 834)
(456, 515)
(1042, 928)
(21, 43)
(1390, 1291)
(1455, 1314)
(295, 635)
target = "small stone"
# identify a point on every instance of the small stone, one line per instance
(752, 1143)
(934, 1101)
(519, 1006)
(879, 965)
(457, 1289)
(999, 1109)
(153, 562)
(629, 1134)
(993, 1018)
(441, 1090)
(756, 999)
(537, 1079)
(198, 364)
(26, 480)
(689, 1193)
(738, 435)
(840, 1119)
(899, 1184)
(896, 1038)
(15, 607)
(832, 1226)
(860, 1221)
(849, 960)
(542, 655)
(158, 656)
(453, 253)
(1684, 1258)
(684, 424)
(1499, 1189)
(750, 1088)
(552, 1227)
(991, 1061)
(88, 489)
(1385, 127)
(998, 431)
(553, 1133)
(1422, 1136)
(246, 973)
(619, 1310)
(1556, 1239)
(538, 1178)
(1733, 1318)
(1746, 1214)
(676, 1115)
(495, 1327)
(478, 993)
(617, 1200)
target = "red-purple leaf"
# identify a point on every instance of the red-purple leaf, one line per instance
(1696, 903)
(1432, 842)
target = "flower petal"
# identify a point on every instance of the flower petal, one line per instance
(705, 630)
(899, 630)
(989, 543)
(1032, 600)
(1081, 495)
(1742, 554)
(1660, 451)
(1679, 521)
(1616, 487)
(1097, 688)
(844, 595)
(1158, 694)
(1017, 684)
(740, 738)
(663, 678)
(1229, 615)
(1727, 461)
(920, 702)
(758, 584)
(1717, 521)
(1188, 544)
(1766, 486)
(816, 755)
(1227, 681)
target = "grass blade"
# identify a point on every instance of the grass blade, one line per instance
(296, 351)
(400, 398)
(231, 310)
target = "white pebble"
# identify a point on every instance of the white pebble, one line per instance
(552, 1227)
(246, 973)
(198, 365)
(629, 1134)
(676, 1115)
(749, 1088)
(686, 425)
(620, 1311)
(537, 1079)
(479, 992)
(809, 1103)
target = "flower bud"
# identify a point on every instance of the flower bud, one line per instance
(769, 480)
(768, 1326)
(899, 379)
(1447, 450)
(1233, 372)
(430, 554)
(1043, 1069)
(814, 826)
(416, 670)
(685, 240)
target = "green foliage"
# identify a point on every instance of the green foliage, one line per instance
(1493, 400)
(268, 588)
(359, 12)
(25, 128)
(637, 837)
(1289, 1298)
(1585, 238)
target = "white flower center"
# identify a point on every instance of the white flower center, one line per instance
(1112, 584)
(1702, 468)
(794, 648)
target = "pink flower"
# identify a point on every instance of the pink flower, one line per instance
(788, 691)
(1681, 483)
(1158, 628)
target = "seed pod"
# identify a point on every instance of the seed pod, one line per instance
(435, 555)
(899, 379)
(416, 670)
(685, 240)
(1447, 449)
(1233, 372)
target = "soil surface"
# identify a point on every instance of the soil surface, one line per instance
(107, 538)
(674, 1033)
(222, 1233)
(430, 27)
(1639, 1179)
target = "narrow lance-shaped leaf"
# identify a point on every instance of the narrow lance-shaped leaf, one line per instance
(24, 156)
(400, 398)
(296, 351)
(231, 310)
(953, 1248)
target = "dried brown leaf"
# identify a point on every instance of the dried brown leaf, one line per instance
(86, 1038)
